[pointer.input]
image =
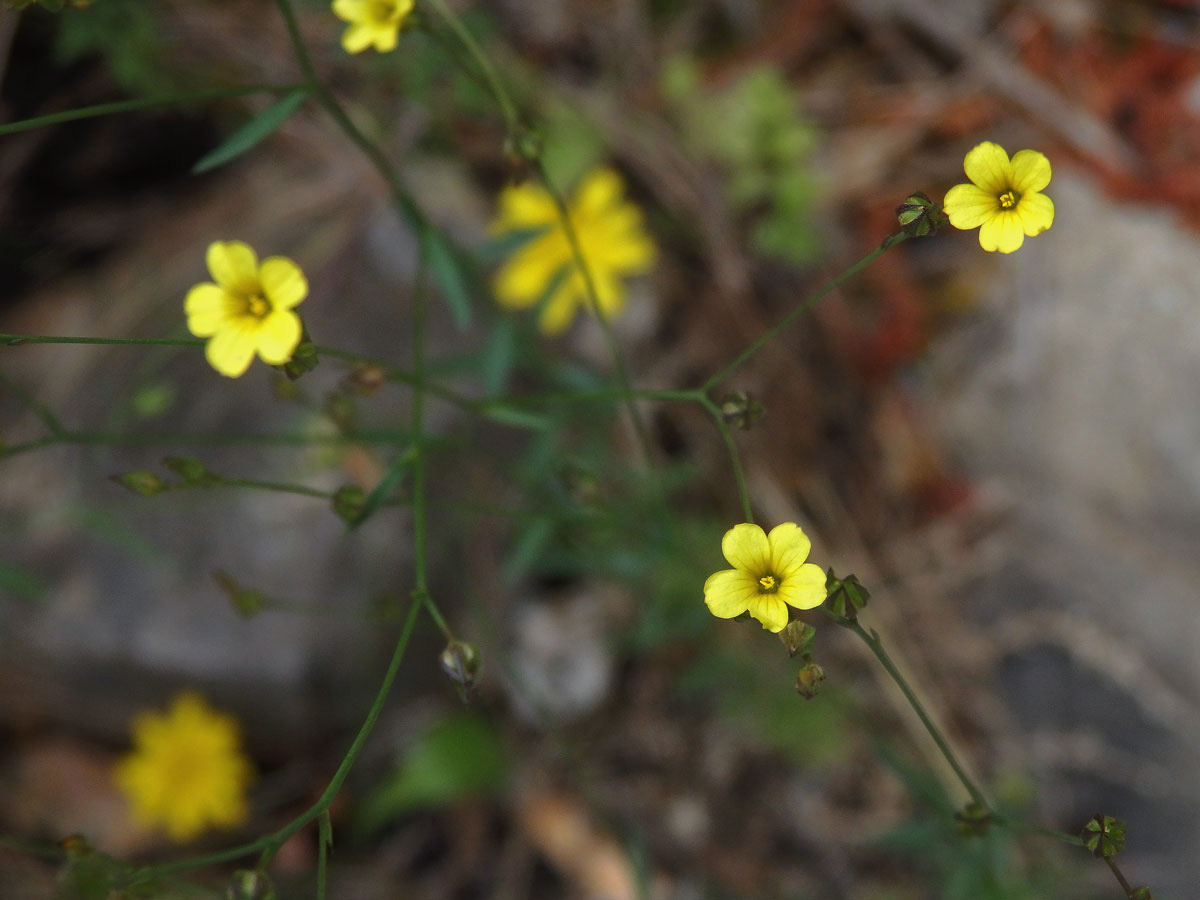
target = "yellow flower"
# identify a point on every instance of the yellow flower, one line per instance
(372, 22)
(768, 571)
(611, 238)
(1004, 201)
(187, 771)
(248, 310)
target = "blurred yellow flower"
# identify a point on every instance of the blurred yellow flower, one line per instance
(769, 571)
(372, 23)
(1004, 200)
(248, 310)
(187, 772)
(611, 237)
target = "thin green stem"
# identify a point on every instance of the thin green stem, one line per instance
(47, 418)
(871, 639)
(610, 337)
(124, 106)
(17, 340)
(271, 843)
(1119, 875)
(746, 355)
(324, 841)
(735, 460)
(507, 107)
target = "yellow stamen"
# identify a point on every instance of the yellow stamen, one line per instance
(257, 306)
(767, 584)
(1008, 199)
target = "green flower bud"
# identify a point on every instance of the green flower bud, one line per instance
(246, 601)
(918, 216)
(797, 637)
(846, 595)
(247, 884)
(809, 679)
(460, 661)
(973, 819)
(1141, 893)
(367, 378)
(147, 484)
(349, 502)
(304, 358)
(1104, 836)
(190, 471)
(741, 410)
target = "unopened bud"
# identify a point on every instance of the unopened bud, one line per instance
(247, 884)
(349, 502)
(919, 216)
(367, 378)
(460, 662)
(1141, 893)
(147, 484)
(246, 601)
(190, 470)
(973, 819)
(846, 596)
(1104, 836)
(304, 359)
(798, 637)
(809, 679)
(741, 410)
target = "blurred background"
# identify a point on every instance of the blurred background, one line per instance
(1005, 449)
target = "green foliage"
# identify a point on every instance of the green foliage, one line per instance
(457, 758)
(251, 134)
(752, 128)
(127, 34)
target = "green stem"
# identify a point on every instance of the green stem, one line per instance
(1119, 875)
(610, 337)
(735, 460)
(17, 340)
(746, 355)
(124, 106)
(271, 843)
(507, 107)
(871, 639)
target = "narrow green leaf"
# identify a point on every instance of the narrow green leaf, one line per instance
(386, 486)
(530, 546)
(447, 272)
(252, 133)
(518, 418)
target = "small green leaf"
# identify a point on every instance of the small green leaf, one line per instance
(459, 757)
(518, 418)
(252, 133)
(386, 486)
(447, 272)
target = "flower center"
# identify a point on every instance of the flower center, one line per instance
(383, 11)
(767, 584)
(1009, 199)
(257, 306)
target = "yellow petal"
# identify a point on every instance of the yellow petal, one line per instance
(558, 311)
(352, 10)
(728, 593)
(357, 38)
(525, 205)
(599, 190)
(804, 588)
(278, 335)
(769, 610)
(789, 549)
(1031, 171)
(1036, 212)
(746, 548)
(987, 165)
(523, 280)
(1002, 232)
(208, 309)
(230, 351)
(234, 266)
(282, 282)
(969, 206)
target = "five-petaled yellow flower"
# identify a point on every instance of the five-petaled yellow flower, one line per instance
(248, 310)
(612, 240)
(372, 23)
(187, 772)
(1004, 201)
(769, 571)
